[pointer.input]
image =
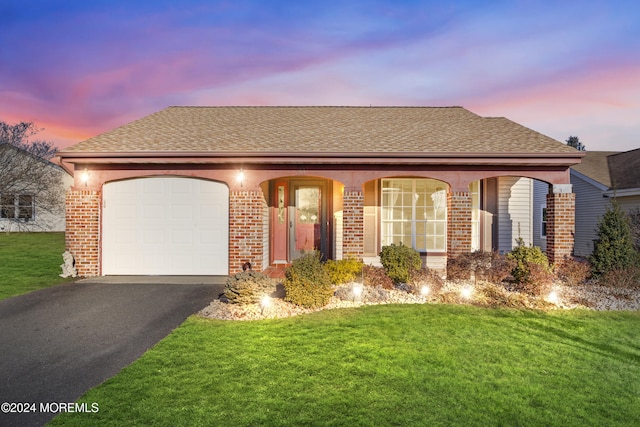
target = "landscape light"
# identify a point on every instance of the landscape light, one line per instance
(357, 292)
(265, 302)
(424, 291)
(553, 297)
(466, 292)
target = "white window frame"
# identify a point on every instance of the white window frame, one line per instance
(543, 221)
(393, 216)
(13, 211)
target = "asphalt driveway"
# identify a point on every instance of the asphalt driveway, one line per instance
(57, 343)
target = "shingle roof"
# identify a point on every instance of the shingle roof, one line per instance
(624, 169)
(321, 129)
(594, 165)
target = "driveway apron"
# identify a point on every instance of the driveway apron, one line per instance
(57, 343)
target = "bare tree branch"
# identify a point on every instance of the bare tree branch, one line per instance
(30, 185)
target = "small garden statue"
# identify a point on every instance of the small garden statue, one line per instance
(69, 266)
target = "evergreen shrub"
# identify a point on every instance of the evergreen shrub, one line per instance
(248, 287)
(613, 249)
(524, 257)
(307, 282)
(399, 261)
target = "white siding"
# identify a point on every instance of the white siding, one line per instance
(540, 190)
(46, 218)
(515, 197)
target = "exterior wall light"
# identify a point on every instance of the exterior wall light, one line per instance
(84, 177)
(241, 177)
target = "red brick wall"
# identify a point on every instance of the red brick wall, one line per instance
(83, 230)
(353, 224)
(561, 225)
(246, 231)
(458, 223)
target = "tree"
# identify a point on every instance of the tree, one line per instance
(27, 178)
(574, 142)
(613, 249)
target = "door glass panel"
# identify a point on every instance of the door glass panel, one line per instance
(308, 205)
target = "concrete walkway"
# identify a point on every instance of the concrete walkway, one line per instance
(57, 343)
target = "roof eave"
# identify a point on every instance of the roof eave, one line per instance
(319, 157)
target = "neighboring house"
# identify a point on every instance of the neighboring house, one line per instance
(32, 192)
(203, 190)
(602, 176)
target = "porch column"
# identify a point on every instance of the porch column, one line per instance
(458, 223)
(248, 229)
(353, 223)
(561, 225)
(82, 234)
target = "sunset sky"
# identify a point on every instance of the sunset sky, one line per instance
(80, 68)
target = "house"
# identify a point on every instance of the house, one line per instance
(602, 176)
(203, 190)
(32, 192)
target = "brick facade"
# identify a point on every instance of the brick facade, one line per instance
(246, 230)
(82, 234)
(560, 225)
(353, 224)
(458, 223)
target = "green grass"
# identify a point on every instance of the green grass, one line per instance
(401, 365)
(30, 261)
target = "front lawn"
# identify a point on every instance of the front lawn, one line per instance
(30, 261)
(399, 365)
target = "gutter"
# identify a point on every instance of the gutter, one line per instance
(297, 158)
(625, 192)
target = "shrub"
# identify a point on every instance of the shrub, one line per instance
(492, 295)
(459, 268)
(634, 223)
(500, 269)
(248, 287)
(462, 266)
(538, 280)
(344, 270)
(621, 278)
(613, 249)
(425, 277)
(524, 257)
(399, 261)
(376, 277)
(573, 272)
(307, 283)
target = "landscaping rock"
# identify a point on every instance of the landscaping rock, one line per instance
(590, 296)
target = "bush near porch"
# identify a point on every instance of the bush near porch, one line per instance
(521, 279)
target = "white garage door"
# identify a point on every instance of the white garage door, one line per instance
(165, 226)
